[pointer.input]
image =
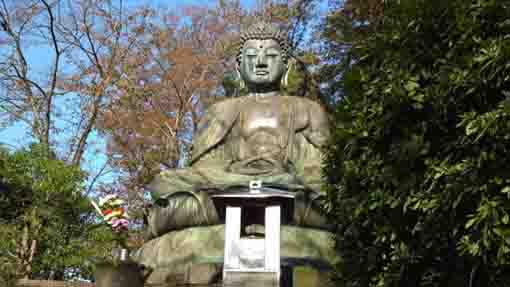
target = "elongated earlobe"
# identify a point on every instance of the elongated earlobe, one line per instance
(242, 84)
(284, 82)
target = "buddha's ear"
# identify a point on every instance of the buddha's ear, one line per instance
(284, 82)
(242, 84)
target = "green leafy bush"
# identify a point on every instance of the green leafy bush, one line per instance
(418, 168)
(46, 229)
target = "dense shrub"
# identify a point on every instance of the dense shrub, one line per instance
(418, 167)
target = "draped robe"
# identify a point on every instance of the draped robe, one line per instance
(182, 194)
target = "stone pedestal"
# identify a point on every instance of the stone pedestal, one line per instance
(202, 274)
(170, 256)
(123, 274)
(303, 276)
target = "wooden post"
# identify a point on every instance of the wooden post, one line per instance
(272, 239)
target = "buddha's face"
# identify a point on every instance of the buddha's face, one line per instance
(262, 63)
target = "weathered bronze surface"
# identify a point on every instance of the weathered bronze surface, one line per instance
(265, 136)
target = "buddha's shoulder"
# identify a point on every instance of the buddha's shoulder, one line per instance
(303, 102)
(236, 104)
(224, 105)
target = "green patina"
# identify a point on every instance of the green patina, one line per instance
(265, 136)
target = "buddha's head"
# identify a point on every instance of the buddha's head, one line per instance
(262, 57)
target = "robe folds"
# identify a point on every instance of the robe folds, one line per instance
(181, 195)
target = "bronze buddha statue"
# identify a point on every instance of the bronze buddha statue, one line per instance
(265, 135)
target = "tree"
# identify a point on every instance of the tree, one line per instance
(417, 171)
(24, 93)
(348, 24)
(43, 233)
(86, 42)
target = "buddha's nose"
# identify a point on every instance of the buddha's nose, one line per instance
(261, 61)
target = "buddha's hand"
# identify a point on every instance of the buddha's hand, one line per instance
(258, 165)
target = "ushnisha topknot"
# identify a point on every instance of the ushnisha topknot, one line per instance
(263, 31)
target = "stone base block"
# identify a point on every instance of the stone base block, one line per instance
(118, 275)
(203, 274)
(250, 279)
(310, 277)
(172, 256)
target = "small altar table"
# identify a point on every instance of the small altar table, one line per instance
(251, 255)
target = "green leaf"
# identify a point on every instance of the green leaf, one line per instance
(505, 219)
(471, 128)
(470, 223)
(506, 190)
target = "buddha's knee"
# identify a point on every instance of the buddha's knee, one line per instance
(181, 210)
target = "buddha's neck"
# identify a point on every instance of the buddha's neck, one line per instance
(263, 90)
(263, 94)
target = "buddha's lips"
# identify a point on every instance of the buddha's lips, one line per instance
(261, 73)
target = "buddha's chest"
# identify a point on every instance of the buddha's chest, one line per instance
(269, 116)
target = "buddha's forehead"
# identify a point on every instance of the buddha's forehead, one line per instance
(261, 43)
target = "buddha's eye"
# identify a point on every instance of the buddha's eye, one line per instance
(272, 52)
(251, 53)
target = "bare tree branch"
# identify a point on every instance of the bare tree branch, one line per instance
(54, 73)
(95, 178)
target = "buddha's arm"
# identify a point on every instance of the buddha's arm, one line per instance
(316, 135)
(212, 129)
(317, 132)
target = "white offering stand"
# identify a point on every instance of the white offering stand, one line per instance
(247, 258)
